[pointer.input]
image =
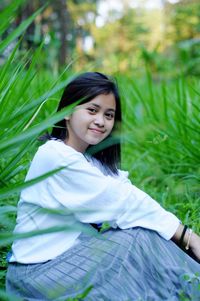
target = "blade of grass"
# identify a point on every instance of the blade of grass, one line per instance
(18, 31)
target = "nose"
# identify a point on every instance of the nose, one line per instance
(99, 120)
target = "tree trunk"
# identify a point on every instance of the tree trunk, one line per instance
(60, 8)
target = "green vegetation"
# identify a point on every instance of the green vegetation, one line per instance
(160, 114)
(162, 125)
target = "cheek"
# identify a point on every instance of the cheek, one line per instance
(77, 120)
(111, 125)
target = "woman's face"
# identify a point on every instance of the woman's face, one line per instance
(91, 122)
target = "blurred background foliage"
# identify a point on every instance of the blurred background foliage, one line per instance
(117, 36)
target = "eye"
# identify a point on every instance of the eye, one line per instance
(109, 116)
(92, 110)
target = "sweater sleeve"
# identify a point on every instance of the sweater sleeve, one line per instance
(95, 198)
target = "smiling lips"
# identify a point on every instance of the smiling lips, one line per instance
(97, 131)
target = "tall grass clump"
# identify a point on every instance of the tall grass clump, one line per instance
(27, 94)
(162, 146)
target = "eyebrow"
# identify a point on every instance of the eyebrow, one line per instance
(97, 106)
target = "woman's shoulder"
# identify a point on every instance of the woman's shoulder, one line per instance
(57, 145)
(56, 151)
(51, 155)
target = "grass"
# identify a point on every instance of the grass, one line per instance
(162, 152)
(160, 135)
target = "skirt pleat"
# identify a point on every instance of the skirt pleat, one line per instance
(118, 265)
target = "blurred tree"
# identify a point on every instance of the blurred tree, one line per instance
(183, 20)
(51, 26)
(61, 10)
(183, 33)
(83, 18)
(120, 38)
(123, 36)
(23, 13)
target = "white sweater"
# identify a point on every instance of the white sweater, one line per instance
(79, 193)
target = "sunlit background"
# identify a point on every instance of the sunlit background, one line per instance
(114, 35)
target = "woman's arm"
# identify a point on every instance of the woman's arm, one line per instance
(190, 240)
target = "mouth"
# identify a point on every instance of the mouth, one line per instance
(97, 131)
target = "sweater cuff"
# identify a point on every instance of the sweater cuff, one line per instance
(174, 224)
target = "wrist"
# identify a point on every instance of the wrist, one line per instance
(188, 239)
(184, 237)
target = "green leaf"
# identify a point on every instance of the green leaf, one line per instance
(8, 13)
(16, 188)
(34, 131)
(18, 31)
(8, 237)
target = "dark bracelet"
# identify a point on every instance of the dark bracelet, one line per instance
(182, 235)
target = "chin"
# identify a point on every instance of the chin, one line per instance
(95, 142)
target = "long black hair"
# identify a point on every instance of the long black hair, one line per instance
(85, 87)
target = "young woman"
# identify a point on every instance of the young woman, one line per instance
(137, 258)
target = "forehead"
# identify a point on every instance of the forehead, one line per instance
(105, 101)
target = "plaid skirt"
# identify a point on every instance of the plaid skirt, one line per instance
(120, 265)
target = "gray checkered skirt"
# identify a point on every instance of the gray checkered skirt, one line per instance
(120, 265)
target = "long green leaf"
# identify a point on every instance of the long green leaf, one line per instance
(34, 131)
(19, 30)
(8, 237)
(34, 103)
(8, 13)
(16, 188)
